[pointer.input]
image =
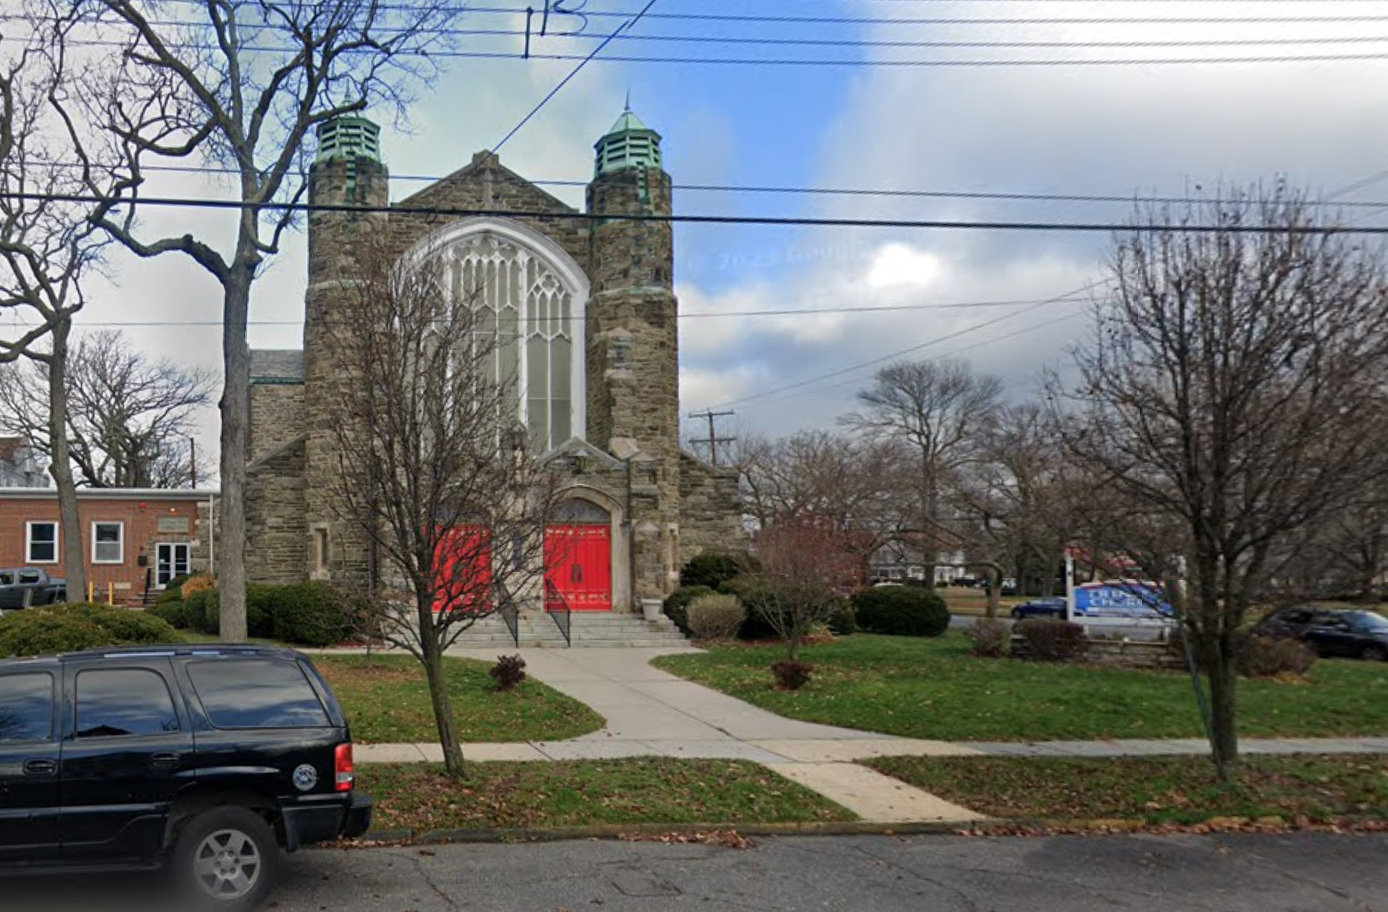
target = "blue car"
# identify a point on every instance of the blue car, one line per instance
(1039, 608)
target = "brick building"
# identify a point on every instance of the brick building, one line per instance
(135, 540)
(596, 363)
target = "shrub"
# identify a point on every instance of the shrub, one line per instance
(989, 637)
(1051, 640)
(677, 604)
(901, 611)
(791, 675)
(200, 582)
(69, 628)
(310, 614)
(713, 569)
(757, 596)
(169, 595)
(845, 621)
(508, 672)
(1271, 657)
(198, 616)
(716, 617)
(174, 613)
(176, 584)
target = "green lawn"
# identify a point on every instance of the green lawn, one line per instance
(387, 700)
(934, 689)
(582, 793)
(1154, 790)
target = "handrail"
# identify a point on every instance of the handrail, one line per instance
(557, 607)
(511, 615)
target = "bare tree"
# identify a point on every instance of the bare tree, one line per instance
(434, 467)
(804, 562)
(860, 486)
(1227, 395)
(940, 410)
(242, 84)
(130, 419)
(48, 244)
(1014, 495)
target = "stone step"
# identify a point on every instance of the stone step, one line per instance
(587, 629)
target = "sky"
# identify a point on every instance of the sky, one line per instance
(871, 123)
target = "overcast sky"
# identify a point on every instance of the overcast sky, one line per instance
(1120, 130)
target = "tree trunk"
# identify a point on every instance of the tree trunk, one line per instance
(994, 591)
(1224, 739)
(70, 519)
(231, 538)
(793, 647)
(438, 693)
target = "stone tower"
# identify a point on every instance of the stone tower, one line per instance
(633, 345)
(347, 171)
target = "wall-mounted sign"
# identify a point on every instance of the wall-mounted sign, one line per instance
(173, 524)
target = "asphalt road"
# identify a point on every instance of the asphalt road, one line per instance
(1257, 873)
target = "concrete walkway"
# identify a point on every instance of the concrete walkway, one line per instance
(650, 712)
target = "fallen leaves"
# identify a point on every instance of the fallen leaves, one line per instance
(727, 839)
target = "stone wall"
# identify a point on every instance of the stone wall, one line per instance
(276, 521)
(710, 509)
(277, 416)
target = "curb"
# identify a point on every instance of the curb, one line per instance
(620, 831)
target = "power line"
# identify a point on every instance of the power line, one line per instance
(810, 62)
(1331, 200)
(853, 43)
(801, 221)
(574, 72)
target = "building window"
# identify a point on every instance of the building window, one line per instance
(108, 543)
(41, 542)
(534, 314)
(320, 550)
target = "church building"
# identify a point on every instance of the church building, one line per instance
(596, 367)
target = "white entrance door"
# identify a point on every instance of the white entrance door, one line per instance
(170, 560)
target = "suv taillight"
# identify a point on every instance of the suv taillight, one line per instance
(344, 776)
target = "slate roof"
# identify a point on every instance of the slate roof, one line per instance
(277, 364)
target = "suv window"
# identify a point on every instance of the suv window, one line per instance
(28, 576)
(256, 693)
(124, 701)
(26, 707)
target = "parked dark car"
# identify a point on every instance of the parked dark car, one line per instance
(1039, 608)
(22, 587)
(202, 759)
(1331, 632)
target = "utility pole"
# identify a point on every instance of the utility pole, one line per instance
(713, 439)
(193, 459)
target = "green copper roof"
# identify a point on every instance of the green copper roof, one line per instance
(629, 144)
(349, 137)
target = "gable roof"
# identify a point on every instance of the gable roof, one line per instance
(484, 164)
(277, 365)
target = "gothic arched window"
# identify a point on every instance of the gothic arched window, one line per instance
(531, 297)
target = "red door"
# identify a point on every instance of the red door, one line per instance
(578, 563)
(463, 570)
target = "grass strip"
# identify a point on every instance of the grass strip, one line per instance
(643, 790)
(1298, 789)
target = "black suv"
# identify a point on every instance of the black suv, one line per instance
(205, 759)
(1331, 632)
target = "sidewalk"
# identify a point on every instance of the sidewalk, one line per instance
(650, 712)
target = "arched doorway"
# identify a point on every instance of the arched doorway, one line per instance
(578, 556)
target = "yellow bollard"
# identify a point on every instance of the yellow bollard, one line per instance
(111, 593)
(91, 591)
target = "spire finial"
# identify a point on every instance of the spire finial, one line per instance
(628, 107)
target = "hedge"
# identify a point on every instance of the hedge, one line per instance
(71, 628)
(713, 569)
(304, 614)
(900, 611)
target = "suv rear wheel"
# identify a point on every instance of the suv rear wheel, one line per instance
(227, 858)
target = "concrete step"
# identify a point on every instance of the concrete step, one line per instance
(587, 629)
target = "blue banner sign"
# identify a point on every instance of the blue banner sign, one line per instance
(1130, 600)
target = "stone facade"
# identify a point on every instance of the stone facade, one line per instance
(615, 279)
